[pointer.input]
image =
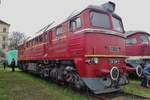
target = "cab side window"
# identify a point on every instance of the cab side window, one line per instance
(75, 24)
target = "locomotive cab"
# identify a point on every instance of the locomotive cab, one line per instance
(103, 68)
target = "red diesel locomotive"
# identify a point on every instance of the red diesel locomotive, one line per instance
(85, 51)
(137, 47)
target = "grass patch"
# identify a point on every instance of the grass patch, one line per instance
(21, 86)
(134, 88)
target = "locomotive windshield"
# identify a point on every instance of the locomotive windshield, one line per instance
(117, 24)
(100, 20)
(144, 39)
(131, 41)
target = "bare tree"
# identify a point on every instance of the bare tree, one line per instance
(2, 54)
(15, 38)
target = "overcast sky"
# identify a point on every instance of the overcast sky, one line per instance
(28, 16)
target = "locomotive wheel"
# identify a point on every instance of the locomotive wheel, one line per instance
(77, 81)
(41, 73)
(72, 78)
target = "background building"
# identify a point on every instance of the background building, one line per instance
(4, 31)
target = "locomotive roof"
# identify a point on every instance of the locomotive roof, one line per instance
(129, 33)
(92, 7)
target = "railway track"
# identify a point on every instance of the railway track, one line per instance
(115, 96)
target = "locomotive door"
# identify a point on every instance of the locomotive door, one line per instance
(47, 43)
(59, 42)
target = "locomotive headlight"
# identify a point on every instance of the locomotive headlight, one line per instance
(113, 61)
(92, 60)
(96, 60)
(110, 6)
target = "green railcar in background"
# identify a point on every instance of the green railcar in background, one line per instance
(12, 54)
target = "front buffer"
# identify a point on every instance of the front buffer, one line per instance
(106, 84)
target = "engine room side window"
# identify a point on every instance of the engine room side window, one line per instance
(144, 39)
(59, 30)
(45, 37)
(75, 24)
(131, 41)
(40, 39)
(100, 20)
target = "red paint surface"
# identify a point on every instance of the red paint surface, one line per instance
(138, 49)
(71, 46)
